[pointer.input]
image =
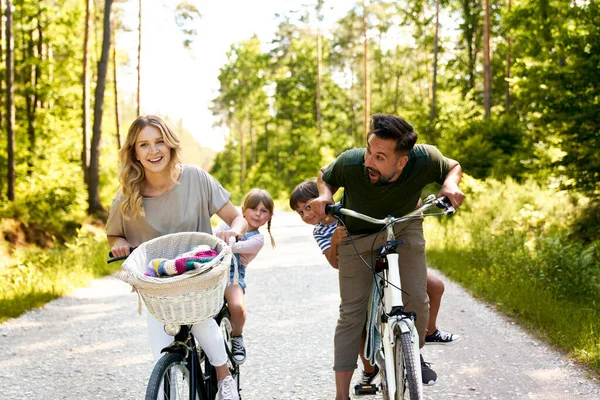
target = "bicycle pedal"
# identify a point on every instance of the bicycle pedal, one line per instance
(363, 390)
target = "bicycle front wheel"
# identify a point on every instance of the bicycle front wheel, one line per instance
(170, 379)
(407, 369)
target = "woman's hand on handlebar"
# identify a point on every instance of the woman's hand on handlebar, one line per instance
(453, 193)
(120, 247)
(226, 235)
(317, 205)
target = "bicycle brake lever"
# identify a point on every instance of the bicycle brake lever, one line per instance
(445, 204)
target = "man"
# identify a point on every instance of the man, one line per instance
(384, 179)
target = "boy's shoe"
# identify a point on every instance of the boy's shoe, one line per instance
(428, 375)
(227, 389)
(441, 337)
(366, 386)
(238, 349)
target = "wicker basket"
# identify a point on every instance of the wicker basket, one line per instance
(185, 299)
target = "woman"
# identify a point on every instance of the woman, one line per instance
(158, 196)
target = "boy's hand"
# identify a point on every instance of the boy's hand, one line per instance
(339, 234)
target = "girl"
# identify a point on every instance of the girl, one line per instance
(159, 195)
(257, 211)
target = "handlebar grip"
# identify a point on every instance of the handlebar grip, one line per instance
(112, 259)
(445, 204)
(333, 209)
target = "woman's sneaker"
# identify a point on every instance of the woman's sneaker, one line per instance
(441, 337)
(227, 389)
(428, 375)
(238, 349)
(366, 386)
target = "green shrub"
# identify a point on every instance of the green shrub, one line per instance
(41, 275)
(512, 245)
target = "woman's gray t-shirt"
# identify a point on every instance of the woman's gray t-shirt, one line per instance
(186, 207)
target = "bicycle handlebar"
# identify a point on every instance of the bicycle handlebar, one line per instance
(442, 203)
(114, 259)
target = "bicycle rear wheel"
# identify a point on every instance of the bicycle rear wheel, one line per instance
(224, 322)
(407, 375)
(170, 379)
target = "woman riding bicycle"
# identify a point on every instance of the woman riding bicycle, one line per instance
(160, 195)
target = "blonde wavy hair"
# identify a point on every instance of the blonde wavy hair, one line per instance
(256, 196)
(131, 171)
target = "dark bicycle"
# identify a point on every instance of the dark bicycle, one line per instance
(184, 371)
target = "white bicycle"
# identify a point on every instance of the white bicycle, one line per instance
(398, 357)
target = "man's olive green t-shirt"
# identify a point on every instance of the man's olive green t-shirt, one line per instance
(425, 165)
(186, 207)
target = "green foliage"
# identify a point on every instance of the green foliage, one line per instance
(510, 244)
(40, 275)
(496, 148)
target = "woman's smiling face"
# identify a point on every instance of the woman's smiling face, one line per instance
(151, 150)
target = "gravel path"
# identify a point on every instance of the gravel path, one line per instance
(92, 344)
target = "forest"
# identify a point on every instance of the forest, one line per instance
(509, 88)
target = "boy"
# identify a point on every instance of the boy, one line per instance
(328, 234)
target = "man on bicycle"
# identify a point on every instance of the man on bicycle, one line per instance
(384, 179)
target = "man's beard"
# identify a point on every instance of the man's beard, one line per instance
(381, 180)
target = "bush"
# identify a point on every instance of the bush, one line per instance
(512, 244)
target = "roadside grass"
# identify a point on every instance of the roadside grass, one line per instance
(41, 275)
(509, 245)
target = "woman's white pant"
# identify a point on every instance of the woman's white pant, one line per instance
(207, 333)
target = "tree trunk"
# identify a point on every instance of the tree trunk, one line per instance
(116, 86)
(252, 140)
(367, 93)
(242, 157)
(31, 98)
(94, 205)
(139, 60)
(435, 64)
(319, 80)
(10, 105)
(2, 49)
(487, 65)
(508, 65)
(85, 81)
(469, 29)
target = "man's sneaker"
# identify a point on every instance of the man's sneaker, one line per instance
(227, 389)
(238, 349)
(428, 375)
(366, 386)
(441, 337)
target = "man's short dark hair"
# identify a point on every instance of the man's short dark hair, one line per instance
(386, 126)
(304, 192)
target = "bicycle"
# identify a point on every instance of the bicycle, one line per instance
(184, 371)
(398, 357)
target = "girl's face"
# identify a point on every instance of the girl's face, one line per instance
(151, 150)
(257, 216)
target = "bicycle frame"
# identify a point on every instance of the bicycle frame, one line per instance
(393, 319)
(185, 344)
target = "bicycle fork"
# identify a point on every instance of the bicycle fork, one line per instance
(397, 322)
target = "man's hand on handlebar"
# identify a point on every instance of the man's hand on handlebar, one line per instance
(453, 193)
(317, 205)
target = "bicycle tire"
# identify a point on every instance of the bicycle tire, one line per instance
(224, 322)
(171, 369)
(406, 369)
